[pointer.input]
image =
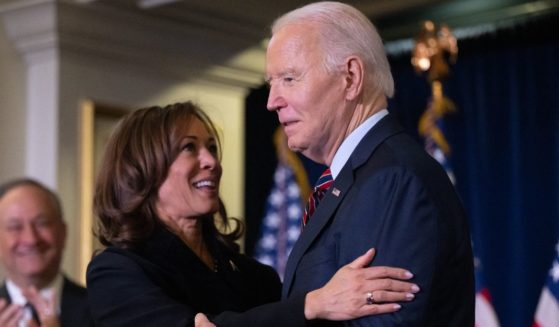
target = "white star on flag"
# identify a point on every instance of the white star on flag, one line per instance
(281, 225)
(547, 312)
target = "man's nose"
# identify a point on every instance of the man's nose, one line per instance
(29, 234)
(275, 99)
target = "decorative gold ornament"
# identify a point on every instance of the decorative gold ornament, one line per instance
(432, 52)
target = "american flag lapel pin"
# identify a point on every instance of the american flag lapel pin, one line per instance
(336, 192)
(233, 265)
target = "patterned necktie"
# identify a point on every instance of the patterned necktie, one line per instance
(324, 182)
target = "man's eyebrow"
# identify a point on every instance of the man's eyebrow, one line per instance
(289, 71)
(13, 219)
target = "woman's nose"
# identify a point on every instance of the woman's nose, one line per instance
(208, 160)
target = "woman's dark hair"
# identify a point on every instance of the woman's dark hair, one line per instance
(136, 162)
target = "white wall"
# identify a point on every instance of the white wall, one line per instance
(12, 113)
(12, 110)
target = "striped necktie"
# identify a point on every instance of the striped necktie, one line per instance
(324, 182)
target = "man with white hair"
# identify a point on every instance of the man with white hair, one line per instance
(329, 83)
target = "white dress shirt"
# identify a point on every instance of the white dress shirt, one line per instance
(351, 142)
(18, 298)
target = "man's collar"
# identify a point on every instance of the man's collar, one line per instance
(352, 140)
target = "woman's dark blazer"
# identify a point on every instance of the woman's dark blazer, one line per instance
(163, 283)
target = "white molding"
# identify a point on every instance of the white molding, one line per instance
(34, 41)
(20, 4)
(31, 26)
(225, 54)
(175, 49)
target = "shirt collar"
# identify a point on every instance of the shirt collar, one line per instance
(350, 143)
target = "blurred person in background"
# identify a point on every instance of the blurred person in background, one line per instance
(32, 239)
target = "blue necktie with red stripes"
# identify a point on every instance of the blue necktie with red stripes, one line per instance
(324, 182)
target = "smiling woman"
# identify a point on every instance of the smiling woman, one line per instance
(190, 189)
(156, 197)
(150, 175)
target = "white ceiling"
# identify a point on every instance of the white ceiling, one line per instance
(395, 18)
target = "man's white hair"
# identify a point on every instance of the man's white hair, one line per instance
(344, 31)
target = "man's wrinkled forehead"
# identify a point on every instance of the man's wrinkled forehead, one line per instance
(290, 47)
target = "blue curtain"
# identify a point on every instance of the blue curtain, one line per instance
(505, 153)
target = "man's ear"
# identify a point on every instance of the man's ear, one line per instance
(354, 71)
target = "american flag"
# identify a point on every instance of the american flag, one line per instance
(485, 313)
(547, 312)
(431, 127)
(436, 152)
(281, 225)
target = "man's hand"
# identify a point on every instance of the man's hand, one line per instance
(46, 308)
(10, 314)
(202, 321)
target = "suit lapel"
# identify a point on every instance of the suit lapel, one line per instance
(325, 212)
(4, 293)
(67, 303)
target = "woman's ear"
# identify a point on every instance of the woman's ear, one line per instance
(354, 73)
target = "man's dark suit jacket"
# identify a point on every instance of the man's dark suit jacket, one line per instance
(392, 196)
(74, 310)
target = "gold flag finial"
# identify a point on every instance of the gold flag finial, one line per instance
(434, 49)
